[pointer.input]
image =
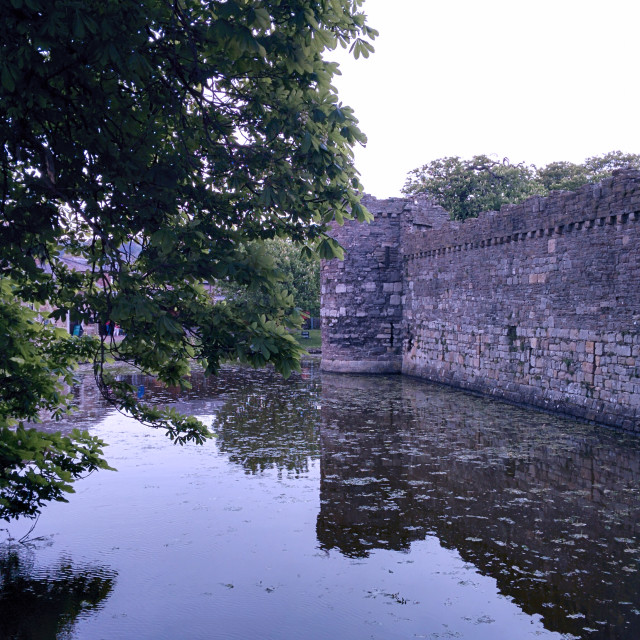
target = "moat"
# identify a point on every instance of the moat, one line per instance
(332, 506)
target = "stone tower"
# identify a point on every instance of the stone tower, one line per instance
(362, 295)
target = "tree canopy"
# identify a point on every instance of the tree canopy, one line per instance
(157, 142)
(569, 176)
(467, 187)
(297, 273)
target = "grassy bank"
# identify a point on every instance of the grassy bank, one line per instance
(314, 341)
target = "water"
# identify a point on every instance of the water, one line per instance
(336, 507)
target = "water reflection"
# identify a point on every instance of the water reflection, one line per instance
(90, 407)
(547, 507)
(261, 420)
(44, 603)
(268, 422)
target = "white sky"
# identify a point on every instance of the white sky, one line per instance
(534, 81)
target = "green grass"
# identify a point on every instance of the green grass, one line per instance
(314, 341)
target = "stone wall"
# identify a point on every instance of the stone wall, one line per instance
(361, 297)
(538, 303)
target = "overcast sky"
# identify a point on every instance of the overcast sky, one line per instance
(534, 81)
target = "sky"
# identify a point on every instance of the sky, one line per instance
(532, 81)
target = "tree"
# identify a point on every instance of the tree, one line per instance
(569, 176)
(297, 274)
(157, 141)
(467, 187)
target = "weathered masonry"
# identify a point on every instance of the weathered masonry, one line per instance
(538, 303)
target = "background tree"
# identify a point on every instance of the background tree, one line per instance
(569, 176)
(467, 187)
(157, 141)
(297, 273)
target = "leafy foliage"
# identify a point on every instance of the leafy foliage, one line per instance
(36, 362)
(156, 142)
(569, 176)
(39, 467)
(467, 187)
(297, 273)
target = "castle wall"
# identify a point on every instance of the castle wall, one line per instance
(538, 303)
(361, 297)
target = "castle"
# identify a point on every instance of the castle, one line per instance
(538, 303)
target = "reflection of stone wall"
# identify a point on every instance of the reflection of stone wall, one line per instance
(551, 512)
(538, 303)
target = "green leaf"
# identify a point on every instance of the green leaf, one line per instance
(306, 143)
(8, 78)
(78, 27)
(328, 249)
